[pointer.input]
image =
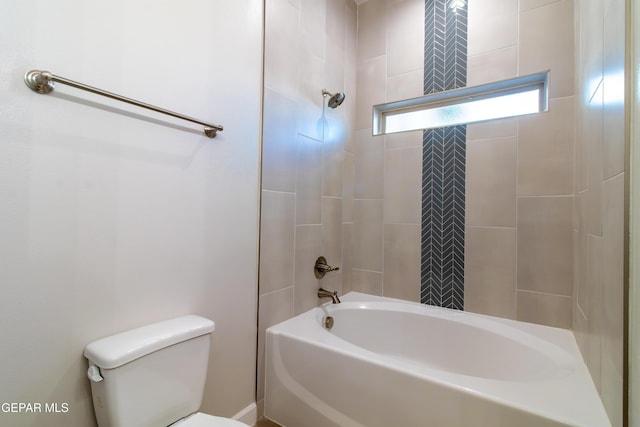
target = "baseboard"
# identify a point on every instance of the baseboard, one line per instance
(248, 415)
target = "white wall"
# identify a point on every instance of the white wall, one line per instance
(108, 220)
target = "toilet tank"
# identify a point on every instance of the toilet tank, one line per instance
(150, 376)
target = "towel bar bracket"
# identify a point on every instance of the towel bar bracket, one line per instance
(39, 81)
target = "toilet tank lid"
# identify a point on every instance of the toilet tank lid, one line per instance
(116, 350)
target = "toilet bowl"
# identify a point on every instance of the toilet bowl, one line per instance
(153, 376)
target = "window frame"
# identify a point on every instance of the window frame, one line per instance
(460, 96)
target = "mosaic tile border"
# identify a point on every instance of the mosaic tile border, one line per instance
(443, 165)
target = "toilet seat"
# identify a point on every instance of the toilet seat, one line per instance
(205, 420)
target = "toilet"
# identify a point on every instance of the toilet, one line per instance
(153, 376)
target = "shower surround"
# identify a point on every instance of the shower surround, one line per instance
(359, 199)
(330, 188)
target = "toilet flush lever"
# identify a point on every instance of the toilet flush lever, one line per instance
(321, 267)
(94, 373)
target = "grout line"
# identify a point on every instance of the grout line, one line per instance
(545, 293)
(515, 291)
(555, 196)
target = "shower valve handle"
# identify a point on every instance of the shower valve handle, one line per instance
(321, 267)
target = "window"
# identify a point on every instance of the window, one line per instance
(507, 98)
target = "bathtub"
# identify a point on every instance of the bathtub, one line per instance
(391, 363)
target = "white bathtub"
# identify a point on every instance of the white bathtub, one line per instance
(391, 363)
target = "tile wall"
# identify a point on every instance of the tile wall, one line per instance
(308, 156)
(388, 169)
(600, 196)
(519, 242)
(519, 177)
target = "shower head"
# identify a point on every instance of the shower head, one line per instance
(335, 99)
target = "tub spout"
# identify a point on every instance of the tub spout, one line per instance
(323, 293)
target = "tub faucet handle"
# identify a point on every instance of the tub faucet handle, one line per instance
(321, 267)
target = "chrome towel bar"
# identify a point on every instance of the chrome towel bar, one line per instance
(43, 82)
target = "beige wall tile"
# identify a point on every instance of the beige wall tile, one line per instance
(367, 234)
(532, 4)
(405, 36)
(403, 185)
(368, 282)
(545, 151)
(308, 181)
(613, 270)
(403, 140)
(491, 183)
(335, 26)
(281, 38)
(493, 24)
(277, 226)
(351, 30)
(582, 273)
(594, 307)
(611, 391)
(348, 175)
(334, 68)
(581, 148)
(402, 254)
(614, 141)
(545, 244)
(349, 106)
(492, 66)
(279, 143)
(369, 166)
(313, 26)
(335, 44)
(581, 252)
(371, 81)
(405, 85)
(335, 39)
(490, 271)
(579, 328)
(611, 4)
(275, 307)
(278, 307)
(594, 174)
(308, 249)
(372, 29)
(310, 100)
(347, 257)
(332, 157)
(544, 309)
(546, 42)
(494, 129)
(332, 230)
(351, 70)
(590, 32)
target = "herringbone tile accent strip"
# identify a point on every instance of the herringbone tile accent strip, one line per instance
(443, 165)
